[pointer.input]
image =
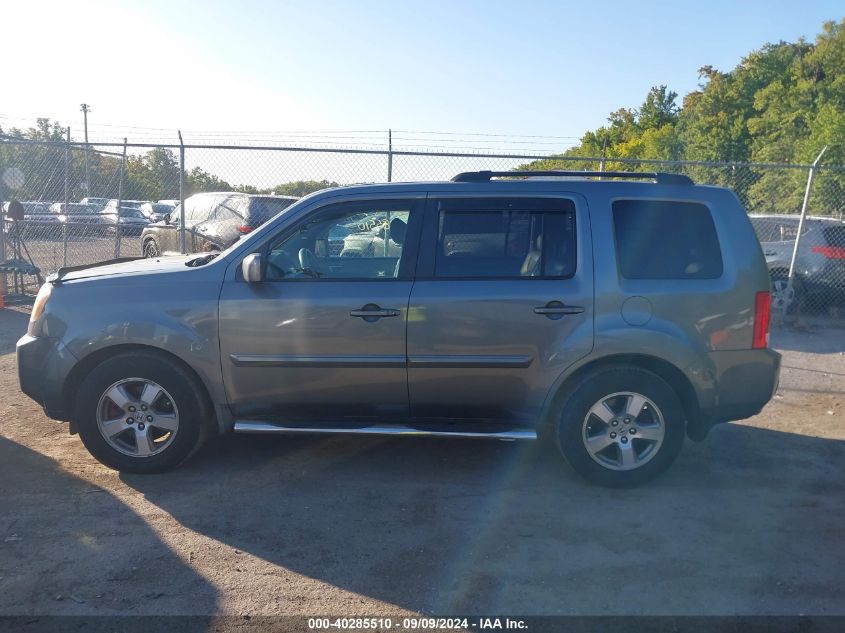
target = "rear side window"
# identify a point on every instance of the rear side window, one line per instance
(262, 209)
(666, 240)
(229, 208)
(835, 236)
(506, 238)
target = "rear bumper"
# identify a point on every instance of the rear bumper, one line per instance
(43, 366)
(745, 382)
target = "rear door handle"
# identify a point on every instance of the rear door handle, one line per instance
(371, 312)
(556, 309)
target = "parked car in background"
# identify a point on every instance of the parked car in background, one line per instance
(156, 211)
(98, 202)
(172, 203)
(213, 221)
(38, 221)
(129, 220)
(81, 219)
(126, 204)
(819, 267)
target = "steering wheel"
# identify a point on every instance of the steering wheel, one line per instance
(308, 262)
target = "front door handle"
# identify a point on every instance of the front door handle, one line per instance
(556, 310)
(372, 312)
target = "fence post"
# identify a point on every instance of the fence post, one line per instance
(2, 246)
(390, 156)
(119, 202)
(66, 207)
(182, 248)
(795, 246)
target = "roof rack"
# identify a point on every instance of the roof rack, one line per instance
(661, 178)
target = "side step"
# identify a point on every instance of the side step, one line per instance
(253, 426)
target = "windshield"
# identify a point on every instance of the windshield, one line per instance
(36, 208)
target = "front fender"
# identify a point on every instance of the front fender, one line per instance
(158, 311)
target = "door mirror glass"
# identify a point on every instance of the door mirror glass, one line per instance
(251, 268)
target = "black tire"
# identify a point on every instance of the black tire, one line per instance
(151, 248)
(194, 412)
(591, 389)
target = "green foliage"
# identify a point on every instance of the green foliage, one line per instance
(781, 104)
(302, 187)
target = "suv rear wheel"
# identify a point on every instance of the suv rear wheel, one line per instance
(140, 413)
(620, 426)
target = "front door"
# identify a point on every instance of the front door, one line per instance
(503, 303)
(323, 337)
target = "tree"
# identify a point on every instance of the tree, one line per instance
(301, 188)
(199, 180)
(658, 109)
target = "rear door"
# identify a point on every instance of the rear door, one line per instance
(502, 304)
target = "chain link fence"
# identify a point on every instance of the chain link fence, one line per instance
(68, 219)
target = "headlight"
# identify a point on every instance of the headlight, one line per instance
(40, 302)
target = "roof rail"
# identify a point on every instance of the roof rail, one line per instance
(661, 178)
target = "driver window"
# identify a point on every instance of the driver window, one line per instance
(343, 242)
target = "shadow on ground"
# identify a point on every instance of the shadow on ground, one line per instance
(56, 557)
(12, 326)
(449, 527)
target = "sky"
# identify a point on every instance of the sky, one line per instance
(538, 73)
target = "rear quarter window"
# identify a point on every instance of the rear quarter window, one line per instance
(658, 239)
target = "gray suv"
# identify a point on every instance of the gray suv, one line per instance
(610, 317)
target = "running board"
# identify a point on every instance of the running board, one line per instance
(252, 426)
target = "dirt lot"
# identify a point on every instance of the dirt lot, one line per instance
(749, 522)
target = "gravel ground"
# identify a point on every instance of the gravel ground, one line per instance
(749, 522)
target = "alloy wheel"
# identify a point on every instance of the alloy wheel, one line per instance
(623, 430)
(137, 417)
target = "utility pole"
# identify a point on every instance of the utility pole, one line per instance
(85, 110)
(603, 154)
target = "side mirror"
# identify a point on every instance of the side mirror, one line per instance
(251, 267)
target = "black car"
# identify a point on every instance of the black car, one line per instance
(79, 218)
(128, 220)
(213, 221)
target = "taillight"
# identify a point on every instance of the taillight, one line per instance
(830, 252)
(762, 315)
(243, 229)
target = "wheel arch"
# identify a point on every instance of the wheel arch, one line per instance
(88, 363)
(669, 372)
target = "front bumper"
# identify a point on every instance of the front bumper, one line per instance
(43, 366)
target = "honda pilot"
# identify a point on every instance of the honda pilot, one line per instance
(611, 314)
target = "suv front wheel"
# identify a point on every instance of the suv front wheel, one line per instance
(140, 413)
(620, 426)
